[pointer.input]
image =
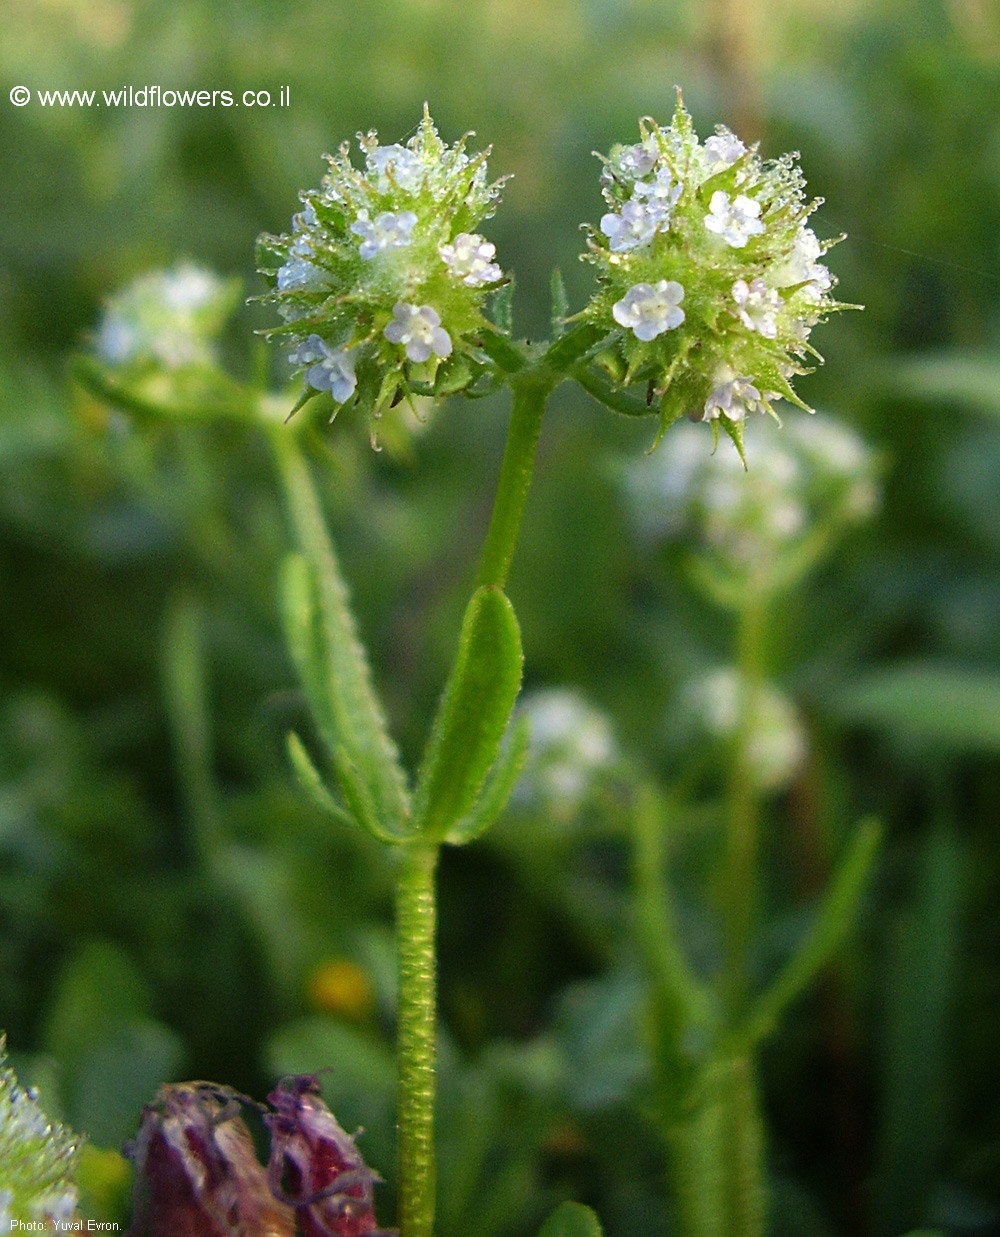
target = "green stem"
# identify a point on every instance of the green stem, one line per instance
(416, 914)
(531, 388)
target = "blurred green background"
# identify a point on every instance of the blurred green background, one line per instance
(170, 906)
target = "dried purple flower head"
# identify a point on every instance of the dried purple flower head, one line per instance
(315, 1166)
(197, 1173)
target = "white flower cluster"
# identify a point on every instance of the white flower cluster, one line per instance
(170, 318)
(37, 1160)
(572, 745)
(382, 272)
(723, 705)
(716, 227)
(814, 470)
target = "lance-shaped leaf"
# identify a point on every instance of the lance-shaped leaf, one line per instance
(831, 924)
(499, 787)
(571, 1220)
(311, 781)
(305, 632)
(329, 655)
(473, 714)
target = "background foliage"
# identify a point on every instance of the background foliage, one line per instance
(170, 906)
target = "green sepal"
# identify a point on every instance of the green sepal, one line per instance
(571, 1220)
(504, 354)
(831, 923)
(609, 394)
(496, 792)
(734, 431)
(311, 781)
(472, 717)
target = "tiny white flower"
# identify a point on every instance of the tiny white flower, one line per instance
(734, 221)
(732, 396)
(660, 194)
(722, 150)
(802, 266)
(469, 258)
(189, 287)
(404, 167)
(636, 225)
(757, 305)
(649, 310)
(386, 231)
(330, 369)
(419, 328)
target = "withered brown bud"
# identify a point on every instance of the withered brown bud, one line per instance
(315, 1166)
(196, 1170)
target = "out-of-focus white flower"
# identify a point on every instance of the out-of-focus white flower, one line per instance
(572, 745)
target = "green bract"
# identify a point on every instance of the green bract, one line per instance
(710, 277)
(382, 279)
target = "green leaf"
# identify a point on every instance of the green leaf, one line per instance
(571, 1220)
(832, 922)
(473, 714)
(498, 789)
(500, 350)
(929, 705)
(502, 307)
(610, 394)
(310, 780)
(332, 663)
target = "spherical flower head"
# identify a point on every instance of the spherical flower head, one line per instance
(754, 527)
(383, 266)
(731, 230)
(37, 1161)
(168, 319)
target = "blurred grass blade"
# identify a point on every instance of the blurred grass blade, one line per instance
(832, 922)
(928, 704)
(473, 714)
(571, 1220)
(329, 655)
(968, 378)
(923, 963)
(499, 786)
(185, 694)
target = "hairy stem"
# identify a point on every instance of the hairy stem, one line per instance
(416, 914)
(532, 388)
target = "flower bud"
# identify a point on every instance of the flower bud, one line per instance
(37, 1161)
(170, 319)
(710, 275)
(315, 1166)
(382, 278)
(197, 1173)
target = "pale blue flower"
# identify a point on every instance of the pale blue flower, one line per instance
(802, 265)
(419, 328)
(395, 163)
(387, 231)
(649, 310)
(660, 194)
(734, 221)
(330, 369)
(635, 226)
